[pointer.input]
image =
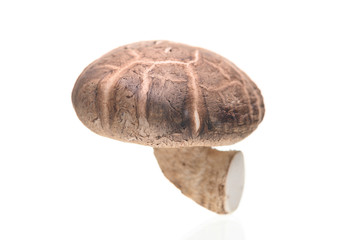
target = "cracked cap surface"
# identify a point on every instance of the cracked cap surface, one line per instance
(166, 94)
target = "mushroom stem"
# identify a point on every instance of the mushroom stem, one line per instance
(214, 179)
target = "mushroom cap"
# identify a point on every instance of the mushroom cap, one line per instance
(166, 94)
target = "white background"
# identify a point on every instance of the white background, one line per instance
(58, 180)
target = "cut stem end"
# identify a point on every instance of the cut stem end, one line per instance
(214, 179)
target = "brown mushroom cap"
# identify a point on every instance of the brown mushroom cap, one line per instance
(166, 94)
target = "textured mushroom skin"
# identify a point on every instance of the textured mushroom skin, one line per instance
(165, 94)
